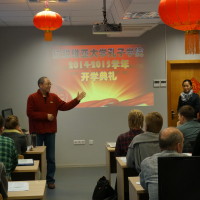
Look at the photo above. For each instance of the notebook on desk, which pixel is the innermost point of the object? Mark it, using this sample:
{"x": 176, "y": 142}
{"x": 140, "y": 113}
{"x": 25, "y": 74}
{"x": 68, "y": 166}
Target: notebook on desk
{"x": 25, "y": 162}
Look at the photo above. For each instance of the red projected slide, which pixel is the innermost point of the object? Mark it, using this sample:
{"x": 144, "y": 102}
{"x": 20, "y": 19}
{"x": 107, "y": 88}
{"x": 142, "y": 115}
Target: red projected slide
{"x": 111, "y": 75}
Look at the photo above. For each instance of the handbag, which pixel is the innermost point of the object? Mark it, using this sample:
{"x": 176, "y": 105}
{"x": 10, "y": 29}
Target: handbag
{"x": 103, "y": 190}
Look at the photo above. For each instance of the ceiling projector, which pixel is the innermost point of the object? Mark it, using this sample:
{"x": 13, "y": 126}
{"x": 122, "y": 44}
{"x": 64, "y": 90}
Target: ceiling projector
{"x": 106, "y": 28}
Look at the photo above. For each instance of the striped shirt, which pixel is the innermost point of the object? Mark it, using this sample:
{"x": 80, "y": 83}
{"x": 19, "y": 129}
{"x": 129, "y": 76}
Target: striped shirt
{"x": 8, "y": 154}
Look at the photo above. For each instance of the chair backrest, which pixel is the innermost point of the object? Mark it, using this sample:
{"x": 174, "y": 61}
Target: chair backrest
{"x": 196, "y": 146}
{"x": 178, "y": 178}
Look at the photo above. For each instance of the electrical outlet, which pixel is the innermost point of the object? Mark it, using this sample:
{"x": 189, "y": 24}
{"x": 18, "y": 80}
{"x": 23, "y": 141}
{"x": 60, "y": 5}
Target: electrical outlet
{"x": 91, "y": 142}
{"x": 82, "y": 141}
{"x": 163, "y": 83}
{"x": 78, "y": 142}
{"x": 75, "y": 141}
{"x": 156, "y": 83}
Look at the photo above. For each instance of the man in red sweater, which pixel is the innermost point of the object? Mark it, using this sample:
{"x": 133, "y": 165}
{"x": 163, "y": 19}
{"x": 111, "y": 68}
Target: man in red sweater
{"x": 42, "y": 109}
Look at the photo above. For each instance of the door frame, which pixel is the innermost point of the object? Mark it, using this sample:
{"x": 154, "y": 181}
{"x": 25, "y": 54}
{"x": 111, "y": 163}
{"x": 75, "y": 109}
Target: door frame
{"x": 169, "y": 68}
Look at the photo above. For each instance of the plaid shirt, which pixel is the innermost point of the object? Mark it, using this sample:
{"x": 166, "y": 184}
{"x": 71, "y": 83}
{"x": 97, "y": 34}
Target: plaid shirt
{"x": 8, "y": 154}
{"x": 124, "y": 140}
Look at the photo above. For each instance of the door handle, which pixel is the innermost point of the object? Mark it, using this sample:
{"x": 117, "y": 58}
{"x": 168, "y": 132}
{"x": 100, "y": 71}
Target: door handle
{"x": 173, "y": 114}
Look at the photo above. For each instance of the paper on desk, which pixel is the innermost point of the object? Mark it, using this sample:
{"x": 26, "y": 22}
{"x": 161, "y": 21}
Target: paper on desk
{"x": 18, "y": 186}
{"x": 123, "y": 159}
{"x": 111, "y": 144}
{"x": 188, "y": 154}
{"x": 29, "y": 148}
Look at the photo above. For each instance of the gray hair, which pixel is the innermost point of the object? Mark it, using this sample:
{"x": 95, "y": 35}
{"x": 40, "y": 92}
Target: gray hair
{"x": 41, "y": 80}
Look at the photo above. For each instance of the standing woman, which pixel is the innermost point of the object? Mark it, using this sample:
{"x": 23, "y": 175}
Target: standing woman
{"x": 188, "y": 97}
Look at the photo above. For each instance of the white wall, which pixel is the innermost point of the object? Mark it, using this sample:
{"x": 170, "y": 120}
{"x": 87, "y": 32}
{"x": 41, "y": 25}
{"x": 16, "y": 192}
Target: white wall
{"x": 25, "y": 57}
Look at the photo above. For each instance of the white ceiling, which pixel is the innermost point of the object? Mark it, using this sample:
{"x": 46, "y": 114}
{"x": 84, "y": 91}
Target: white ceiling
{"x": 83, "y": 12}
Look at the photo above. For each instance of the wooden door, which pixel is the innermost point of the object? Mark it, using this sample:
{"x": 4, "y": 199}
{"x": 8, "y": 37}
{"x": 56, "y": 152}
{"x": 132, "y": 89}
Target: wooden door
{"x": 177, "y": 71}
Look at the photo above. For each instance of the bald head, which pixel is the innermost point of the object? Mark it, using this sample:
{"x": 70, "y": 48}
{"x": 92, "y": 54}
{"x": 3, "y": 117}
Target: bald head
{"x": 171, "y": 139}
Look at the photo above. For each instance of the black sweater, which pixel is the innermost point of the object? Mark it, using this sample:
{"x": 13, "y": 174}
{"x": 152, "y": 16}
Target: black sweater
{"x": 193, "y": 101}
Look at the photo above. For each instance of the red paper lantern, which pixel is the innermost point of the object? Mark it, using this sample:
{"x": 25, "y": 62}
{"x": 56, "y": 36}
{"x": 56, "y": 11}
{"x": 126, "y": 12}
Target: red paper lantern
{"x": 183, "y": 15}
{"x": 47, "y": 21}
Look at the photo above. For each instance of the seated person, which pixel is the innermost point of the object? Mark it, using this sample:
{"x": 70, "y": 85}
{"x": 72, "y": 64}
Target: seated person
{"x": 171, "y": 144}
{"x": 188, "y": 126}
{"x": 13, "y": 131}
{"x": 135, "y": 122}
{"x": 3, "y": 181}
{"x": 8, "y": 152}
{"x": 145, "y": 144}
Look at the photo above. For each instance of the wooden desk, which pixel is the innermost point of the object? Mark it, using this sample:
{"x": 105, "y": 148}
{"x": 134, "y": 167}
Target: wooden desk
{"x": 39, "y": 153}
{"x": 36, "y": 191}
{"x": 136, "y": 191}
{"x": 111, "y": 165}
{"x": 123, "y": 172}
{"x": 23, "y": 173}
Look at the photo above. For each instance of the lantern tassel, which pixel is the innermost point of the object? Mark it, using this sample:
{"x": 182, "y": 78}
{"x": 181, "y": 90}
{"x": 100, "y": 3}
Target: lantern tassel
{"x": 48, "y": 35}
{"x": 192, "y": 44}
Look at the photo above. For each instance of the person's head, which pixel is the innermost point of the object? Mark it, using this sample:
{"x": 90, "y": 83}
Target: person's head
{"x": 187, "y": 85}
{"x": 135, "y": 119}
{"x": 153, "y": 122}
{"x": 44, "y": 84}
{"x": 11, "y": 122}
{"x": 186, "y": 113}
{"x": 171, "y": 139}
{"x": 1, "y": 124}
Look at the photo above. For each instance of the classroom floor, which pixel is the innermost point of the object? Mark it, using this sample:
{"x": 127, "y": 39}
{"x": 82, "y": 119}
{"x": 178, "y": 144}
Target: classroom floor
{"x": 75, "y": 183}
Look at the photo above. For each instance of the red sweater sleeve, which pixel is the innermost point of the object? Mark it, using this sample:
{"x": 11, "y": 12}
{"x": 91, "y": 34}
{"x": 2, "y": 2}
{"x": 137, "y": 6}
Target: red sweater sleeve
{"x": 31, "y": 113}
{"x": 62, "y": 105}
